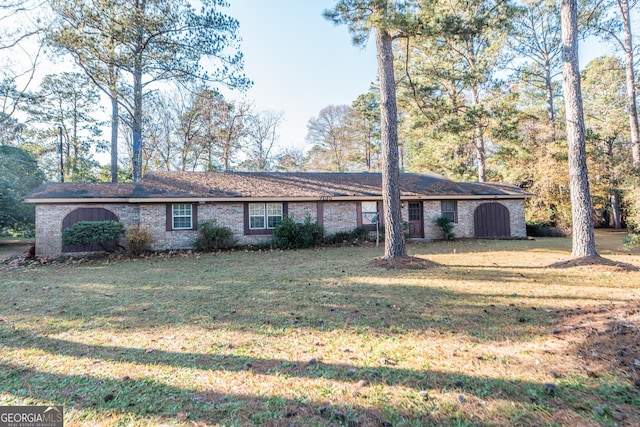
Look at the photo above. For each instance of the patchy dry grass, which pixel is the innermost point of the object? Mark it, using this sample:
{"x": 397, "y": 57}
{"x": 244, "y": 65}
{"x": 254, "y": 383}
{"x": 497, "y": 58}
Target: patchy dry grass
{"x": 488, "y": 336}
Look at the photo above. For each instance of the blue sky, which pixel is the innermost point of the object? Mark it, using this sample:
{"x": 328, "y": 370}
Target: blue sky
{"x": 299, "y": 62}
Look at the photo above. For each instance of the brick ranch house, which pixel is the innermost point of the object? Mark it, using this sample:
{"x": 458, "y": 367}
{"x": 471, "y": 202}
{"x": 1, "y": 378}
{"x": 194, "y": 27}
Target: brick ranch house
{"x": 170, "y": 204}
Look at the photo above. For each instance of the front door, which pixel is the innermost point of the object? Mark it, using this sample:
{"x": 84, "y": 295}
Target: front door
{"x": 416, "y": 224}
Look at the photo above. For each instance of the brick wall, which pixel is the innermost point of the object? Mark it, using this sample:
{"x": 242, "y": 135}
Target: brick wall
{"x": 299, "y": 211}
{"x": 466, "y": 208}
{"x": 338, "y": 216}
{"x": 49, "y": 223}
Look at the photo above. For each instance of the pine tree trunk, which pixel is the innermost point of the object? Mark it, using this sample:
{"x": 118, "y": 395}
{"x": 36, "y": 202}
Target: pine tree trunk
{"x": 631, "y": 80}
{"x": 137, "y": 102}
{"x": 583, "y": 237}
{"x": 394, "y": 245}
{"x": 478, "y": 140}
{"x": 114, "y": 137}
{"x": 551, "y": 114}
{"x": 115, "y": 107}
{"x": 480, "y": 154}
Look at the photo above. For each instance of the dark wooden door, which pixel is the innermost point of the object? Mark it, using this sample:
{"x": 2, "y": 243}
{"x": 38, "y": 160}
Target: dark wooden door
{"x": 86, "y": 214}
{"x": 416, "y": 223}
{"x": 491, "y": 220}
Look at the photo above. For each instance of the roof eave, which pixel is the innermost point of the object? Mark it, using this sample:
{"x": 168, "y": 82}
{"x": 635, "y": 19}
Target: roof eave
{"x": 195, "y": 199}
{"x": 72, "y": 200}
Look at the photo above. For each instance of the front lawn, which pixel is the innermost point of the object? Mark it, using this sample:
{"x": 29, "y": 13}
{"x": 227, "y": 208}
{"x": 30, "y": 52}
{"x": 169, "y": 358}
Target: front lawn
{"x": 490, "y": 336}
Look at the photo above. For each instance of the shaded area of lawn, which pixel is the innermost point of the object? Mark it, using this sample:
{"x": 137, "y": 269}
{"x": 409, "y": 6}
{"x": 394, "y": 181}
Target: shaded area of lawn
{"x": 315, "y": 338}
{"x": 143, "y": 397}
{"x": 254, "y": 301}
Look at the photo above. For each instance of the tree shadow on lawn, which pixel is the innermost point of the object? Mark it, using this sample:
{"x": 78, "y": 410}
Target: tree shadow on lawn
{"x": 322, "y": 306}
{"x": 377, "y": 302}
{"x": 570, "y": 399}
{"x": 147, "y": 397}
{"x": 340, "y": 302}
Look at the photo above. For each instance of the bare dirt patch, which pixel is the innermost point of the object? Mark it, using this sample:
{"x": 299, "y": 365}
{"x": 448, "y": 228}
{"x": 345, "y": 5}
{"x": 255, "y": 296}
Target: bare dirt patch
{"x": 607, "y": 337}
{"x": 402, "y": 263}
{"x": 595, "y": 263}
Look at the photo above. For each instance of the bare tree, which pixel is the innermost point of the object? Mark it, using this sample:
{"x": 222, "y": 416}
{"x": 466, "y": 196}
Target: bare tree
{"x": 290, "y": 160}
{"x": 331, "y": 135}
{"x": 21, "y": 28}
{"x": 261, "y": 138}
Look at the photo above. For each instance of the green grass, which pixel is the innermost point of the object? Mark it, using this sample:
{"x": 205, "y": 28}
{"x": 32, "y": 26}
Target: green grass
{"x": 314, "y": 338}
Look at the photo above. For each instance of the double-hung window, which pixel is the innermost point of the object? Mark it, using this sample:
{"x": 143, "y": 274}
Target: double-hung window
{"x": 265, "y": 216}
{"x": 369, "y": 212}
{"x": 450, "y": 210}
{"x": 182, "y": 216}
{"x": 368, "y": 215}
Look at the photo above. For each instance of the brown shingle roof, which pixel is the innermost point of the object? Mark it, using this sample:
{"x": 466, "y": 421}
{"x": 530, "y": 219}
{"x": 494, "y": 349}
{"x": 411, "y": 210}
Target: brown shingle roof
{"x": 81, "y": 190}
{"x": 305, "y": 185}
{"x": 268, "y": 185}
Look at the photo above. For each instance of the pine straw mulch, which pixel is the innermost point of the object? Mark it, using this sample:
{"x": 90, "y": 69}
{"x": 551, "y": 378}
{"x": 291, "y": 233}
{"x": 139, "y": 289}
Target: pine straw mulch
{"x": 595, "y": 263}
{"x": 607, "y": 338}
{"x": 402, "y": 263}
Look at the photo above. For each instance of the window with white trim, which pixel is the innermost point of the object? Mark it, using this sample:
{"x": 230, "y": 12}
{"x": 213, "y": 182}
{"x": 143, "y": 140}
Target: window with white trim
{"x": 450, "y": 210}
{"x": 265, "y": 215}
{"x": 182, "y": 216}
{"x": 369, "y": 211}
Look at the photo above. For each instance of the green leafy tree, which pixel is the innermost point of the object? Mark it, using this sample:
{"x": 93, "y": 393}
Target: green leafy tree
{"x": 605, "y": 102}
{"x": 449, "y": 79}
{"x": 67, "y": 103}
{"x": 537, "y": 161}
{"x": 612, "y": 20}
{"x": 535, "y": 42}
{"x": 366, "y": 130}
{"x": 19, "y": 174}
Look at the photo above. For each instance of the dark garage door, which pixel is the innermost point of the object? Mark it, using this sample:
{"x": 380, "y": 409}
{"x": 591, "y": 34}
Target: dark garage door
{"x": 86, "y": 214}
{"x": 491, "y": 220}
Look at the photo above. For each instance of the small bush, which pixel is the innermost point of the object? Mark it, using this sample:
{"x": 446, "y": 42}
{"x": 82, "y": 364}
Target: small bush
{"x": 139, "y": 239}
{"x": 447, "y": 226}
{"x": 355, "y": 236}
{"x": 212, "y": 237}
{"x": 103, "y": 233}
{"x": 631, "y": 241}
{"x": 294, "y": 235}
{"x": 544, "y": 229}
{"x": 405, "y": 231}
